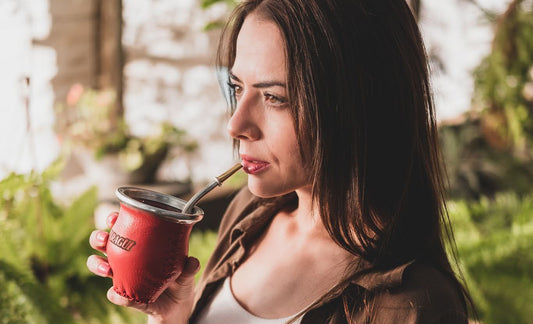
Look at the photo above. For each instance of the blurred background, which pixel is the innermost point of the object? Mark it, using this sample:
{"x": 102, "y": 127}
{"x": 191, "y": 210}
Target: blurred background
{"x": 102, "y": 93}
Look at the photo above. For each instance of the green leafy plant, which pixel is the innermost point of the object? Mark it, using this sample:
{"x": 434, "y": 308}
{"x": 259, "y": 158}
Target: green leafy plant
{"x": 494, "y": 239}
{"x": 43, "y": 250}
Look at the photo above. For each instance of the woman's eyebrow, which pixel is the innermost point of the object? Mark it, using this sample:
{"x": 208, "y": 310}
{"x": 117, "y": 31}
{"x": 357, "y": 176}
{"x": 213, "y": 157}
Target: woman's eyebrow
{"x": 264, "y": 84}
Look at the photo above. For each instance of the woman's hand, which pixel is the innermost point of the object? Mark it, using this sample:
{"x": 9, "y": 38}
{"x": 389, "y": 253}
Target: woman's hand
{"x": 175, "y": 303}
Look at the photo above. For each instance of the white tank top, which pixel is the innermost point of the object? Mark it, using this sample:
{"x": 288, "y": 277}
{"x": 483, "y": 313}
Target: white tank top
{"x": 224, "y": 308}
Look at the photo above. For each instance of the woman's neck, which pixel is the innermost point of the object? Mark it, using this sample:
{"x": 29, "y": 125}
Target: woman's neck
{"x": 306, "y": 214}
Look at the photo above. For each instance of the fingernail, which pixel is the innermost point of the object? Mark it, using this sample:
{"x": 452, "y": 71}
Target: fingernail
{"x": 111, "y": 217}
{"x": 103, "y": 268}
{"x": 101, "y": 236}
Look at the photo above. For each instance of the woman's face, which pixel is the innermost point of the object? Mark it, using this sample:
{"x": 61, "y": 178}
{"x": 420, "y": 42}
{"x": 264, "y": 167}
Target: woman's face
{"x": 262, "y": 121}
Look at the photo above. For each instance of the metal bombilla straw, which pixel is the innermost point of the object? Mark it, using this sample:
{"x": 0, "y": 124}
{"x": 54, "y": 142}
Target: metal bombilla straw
{"x": 217, "y": 182}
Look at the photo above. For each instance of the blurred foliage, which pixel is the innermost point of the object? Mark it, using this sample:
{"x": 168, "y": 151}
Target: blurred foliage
{"x": 89, "y": 119}
{"x": 237, "y": 181}
{"x": 504, "y": 82}
{"x": 208, "y": 3}
{"x": 475, "y": 168}
{"x": 490, "y": 150}
{"x": 494, "y": 239}
{"x": 201, "y": 245}
{"x": 216, "y": 24}
{"x": 490, "y": 169}
{"x": 43, "y": 251}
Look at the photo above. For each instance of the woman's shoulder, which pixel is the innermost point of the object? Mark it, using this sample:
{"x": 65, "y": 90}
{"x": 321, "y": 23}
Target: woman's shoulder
{"x": 423, "y": 294}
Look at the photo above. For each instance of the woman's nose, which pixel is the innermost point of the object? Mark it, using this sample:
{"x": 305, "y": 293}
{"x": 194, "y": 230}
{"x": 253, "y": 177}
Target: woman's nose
{"x": 243, "y": 124}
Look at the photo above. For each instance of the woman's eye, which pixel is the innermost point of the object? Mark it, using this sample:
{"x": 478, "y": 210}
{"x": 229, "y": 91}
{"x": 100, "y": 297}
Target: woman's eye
{"x": 235, "y": 89}
{"x": 274, "y": 100}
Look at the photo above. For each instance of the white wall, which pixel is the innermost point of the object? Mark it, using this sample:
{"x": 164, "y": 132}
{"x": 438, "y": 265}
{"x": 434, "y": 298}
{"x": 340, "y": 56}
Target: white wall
{"x": 20, "y": 150}
{"x": 170, "y": 75}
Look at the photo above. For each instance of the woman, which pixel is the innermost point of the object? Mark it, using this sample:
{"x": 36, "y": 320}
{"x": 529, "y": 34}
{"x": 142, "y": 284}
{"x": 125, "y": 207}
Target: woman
{"x": 343, "y": 216}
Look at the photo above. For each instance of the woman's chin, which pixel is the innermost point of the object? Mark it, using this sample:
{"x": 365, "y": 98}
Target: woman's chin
{"x": 260, "y": 192}
{"x": 263, "y": 190}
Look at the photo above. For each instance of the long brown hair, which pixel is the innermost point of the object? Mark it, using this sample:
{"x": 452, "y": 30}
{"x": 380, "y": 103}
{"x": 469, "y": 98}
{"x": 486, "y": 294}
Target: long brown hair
{"x": 360, "y": 96}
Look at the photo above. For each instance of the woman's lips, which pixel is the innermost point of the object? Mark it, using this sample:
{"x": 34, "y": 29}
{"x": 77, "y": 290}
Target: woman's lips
{"x": 251, "y": 165}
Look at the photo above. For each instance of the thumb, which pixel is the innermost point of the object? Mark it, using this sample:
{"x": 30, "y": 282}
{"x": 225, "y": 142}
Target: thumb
{"x": 191, "y": 267}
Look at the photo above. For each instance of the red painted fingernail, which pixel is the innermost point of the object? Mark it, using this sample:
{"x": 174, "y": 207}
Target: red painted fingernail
{"x": 111, "y": 218}
{"x": 101, "y": 236}
{"x": 103, "y": 268}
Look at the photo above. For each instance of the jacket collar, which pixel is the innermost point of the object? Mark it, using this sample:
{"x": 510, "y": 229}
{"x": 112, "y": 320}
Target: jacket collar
{"x": 262, "y": 213}
{"x": 382, "y": 279}
{"x": 251, "y": 226}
